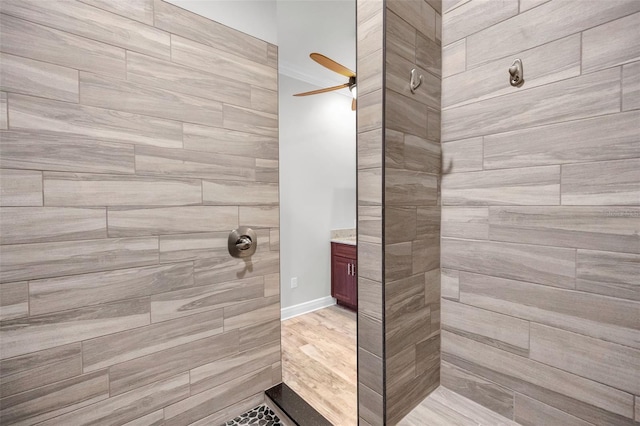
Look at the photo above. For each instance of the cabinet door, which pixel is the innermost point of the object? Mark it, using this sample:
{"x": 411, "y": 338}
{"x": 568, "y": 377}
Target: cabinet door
{"x": 341, "y": 279}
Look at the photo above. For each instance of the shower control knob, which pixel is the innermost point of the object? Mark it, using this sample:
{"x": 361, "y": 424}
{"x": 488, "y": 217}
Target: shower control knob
{"x": 242, "y": 242}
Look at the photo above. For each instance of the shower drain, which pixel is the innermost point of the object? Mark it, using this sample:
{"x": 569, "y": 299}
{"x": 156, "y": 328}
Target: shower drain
{"x": 259, "y": 416}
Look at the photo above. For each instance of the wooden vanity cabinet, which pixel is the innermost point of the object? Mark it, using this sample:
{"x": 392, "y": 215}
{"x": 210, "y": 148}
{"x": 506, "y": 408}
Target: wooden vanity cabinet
{"x": 344, "y": 278}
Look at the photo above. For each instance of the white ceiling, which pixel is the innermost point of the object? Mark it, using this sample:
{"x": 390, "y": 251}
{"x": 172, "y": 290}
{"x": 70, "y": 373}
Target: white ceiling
{"x": 298, "y": 27}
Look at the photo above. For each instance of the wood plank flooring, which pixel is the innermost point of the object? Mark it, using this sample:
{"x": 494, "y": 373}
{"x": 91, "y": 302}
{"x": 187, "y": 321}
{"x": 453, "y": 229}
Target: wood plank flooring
{"x": 319, "y": 362}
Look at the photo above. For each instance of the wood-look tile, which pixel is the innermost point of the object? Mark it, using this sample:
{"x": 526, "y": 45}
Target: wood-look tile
{"x": 548, "y": 63}
{"x": 63, "y": 152}
{"x": 450, "y": 284}
{"x": 396, "y": 71}
{"x": 252, "y": 121}
{"x": 267, "y": 170}
{"x": 530, "y": 412}
{"x": 370, "y": 406}
{"x": 125, "y": 222}
{"x": 189, "y": 301}
{"x": 486, "y": 393}
{"x": 370, "y": 186}
{"x": 55, "y": 399}
{"x": 454, "y": 57}
{"x": 631, "y": 86}
{"x": 88, "y": 190}
{"x": 439, "y": 27}
{"x": 59, "y": 294}
{"x": 271, "y": 285}
{"x": 465, "y": 222}
{"x": 177, "y": 20}
{"x": 193, "y": 164}
{"x": 405, "y": 114}
{"x": 609, "y": 273}
{"x": 30, "y": 113}
{"x": 22, "y": 225}
{"x": 400, "y": 224}
{"x": 140, "y": 10}
{"x": 159, "y": 73}
{"x": 587, "y": 357}
{"x": 462, "y": 156}
{"x": 474, "y": 16}
{"x": 434, "y": 124}
{"x": 223, "y": 141}
{"x": 399, "y": 404}
{"x": 152, "y": 419}
{"x": 46, "y": 260}
{"x": 596, "y": 228}
{"x": 14, "y": 301}
{"x": 254, "y": 193}
{"x": 502, "y": 331}
{"x": 611, "y": 44}
{"x": 105, "y": 92}
{"x": 274, "y": 239}
{"x": 637, "y": 408}
{"x": 610, "y": 137}
{"x": 23, "y": 75}
{"x": 264, "y": 100}
{"x": 37, "y": 369}
{"x": 366, "y": 9}
{"x": 124, "y": 346}
{"x": 131, "y": 405}
{"x": 370, "y": 334}
{"x": 420, "y": 15}
{"x": 425, "y": 254}
{"x": 370, "y": 149}
{"x": 603, "y": 183}
{"x": 232, "y": 411}
{"x": 429, "y": 54}
{"x": 254, "y": 336}
{"x": 469, "y": 408}
{"x": 370, "y": 73}
{"x": 580, "y": 97}
{"x": 609, "y": 319}
{"x": 22, "y": 336}
{"x": 370, "y": 298}
{"x": 369, "y": 369}
{"x": 260, "y": 217}
{"x": 272, "y": 55}
{"x": 225, "y": 268}
{"x": 528, "y": 186}
{"x": 207, "y": 58}
{"x": 428, "y": 222}
{"x": 370, "y": 224}
{"x": 400, "y": 369}
{"x": 184, "y": 247}
{"x": 428, "y": 355}
{"x": 29, "y": 40}
{"x": 406, "y": 321}
{"x": 167, "y": 363}
{"x": 406, "y": 187}
{"x": 535, "y": 379}
{"x": 20, "y": 188}
{"x": 93, "y": 23}
{"x": 4, "y": 114}
{"x": 200, "y": 405}
{"x": 397, "y": 261}
{"x": 251, "y": 312}
{"x": 369, "y": 111}
{"x": 223, "y": 370}
{"x": 530, "y": 4}
{"x": 550, "y": 21}
{"x": 369, "y": 261}
{"x": 400, "y": 38}
{"x": 421, "y": 155}
{"x": 369, "y": 34}
{"x": 551, "y": 266}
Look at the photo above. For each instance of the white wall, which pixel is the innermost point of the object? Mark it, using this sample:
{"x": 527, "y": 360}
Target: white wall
{"x": 317, "y": 185}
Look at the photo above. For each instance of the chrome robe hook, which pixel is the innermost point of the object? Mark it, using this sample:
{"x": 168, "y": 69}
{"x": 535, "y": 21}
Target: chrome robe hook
{"x": 413, "y": 85}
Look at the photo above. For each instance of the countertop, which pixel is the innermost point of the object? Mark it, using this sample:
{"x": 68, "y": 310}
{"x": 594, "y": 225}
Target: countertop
{"x": 351, "y": 241}
{"x": 344, "y": 236}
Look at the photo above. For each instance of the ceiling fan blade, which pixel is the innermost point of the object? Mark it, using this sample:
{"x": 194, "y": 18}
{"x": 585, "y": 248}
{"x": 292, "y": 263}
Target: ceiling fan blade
{"x": 327, "y": 89}
{"x": 353, "y": 105}
{"x": 332, "y": 65}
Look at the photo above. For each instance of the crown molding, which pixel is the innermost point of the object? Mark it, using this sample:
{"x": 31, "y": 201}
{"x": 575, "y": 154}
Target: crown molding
{"x": 290, "y": 70}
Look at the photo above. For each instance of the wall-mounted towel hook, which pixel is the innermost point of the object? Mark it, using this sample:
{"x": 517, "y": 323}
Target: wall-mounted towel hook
{"x": 412, "y": 83}
{"x": 516, "y": 73}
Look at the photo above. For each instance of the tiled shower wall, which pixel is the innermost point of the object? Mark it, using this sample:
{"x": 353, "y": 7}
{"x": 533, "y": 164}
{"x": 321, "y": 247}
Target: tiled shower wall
{"x": 398, "y": 170}
{"x": 540, "y": 219}
{"x": 411, "y": 205}
{"x": 136, "y": 136}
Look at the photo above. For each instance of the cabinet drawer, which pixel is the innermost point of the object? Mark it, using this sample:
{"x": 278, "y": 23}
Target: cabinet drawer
{"x": 344, "y": 250}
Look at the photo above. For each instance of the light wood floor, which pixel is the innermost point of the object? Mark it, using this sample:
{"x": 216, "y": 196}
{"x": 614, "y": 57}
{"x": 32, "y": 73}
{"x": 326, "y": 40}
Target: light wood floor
{"x": 319, "y": 362}
{"x": 447, "y": 408}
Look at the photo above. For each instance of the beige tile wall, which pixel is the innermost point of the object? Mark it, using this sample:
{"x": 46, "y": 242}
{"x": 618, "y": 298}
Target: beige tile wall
{"x": 135, "y": 136}
{"x": 541, "y": 209}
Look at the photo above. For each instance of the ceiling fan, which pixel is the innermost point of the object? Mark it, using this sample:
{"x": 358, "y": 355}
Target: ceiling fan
{"x": 340, "y": 69}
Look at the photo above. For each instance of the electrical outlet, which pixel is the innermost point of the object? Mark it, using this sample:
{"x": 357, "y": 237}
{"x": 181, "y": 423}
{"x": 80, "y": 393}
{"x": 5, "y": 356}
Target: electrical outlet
{"x": 294, "y": 282}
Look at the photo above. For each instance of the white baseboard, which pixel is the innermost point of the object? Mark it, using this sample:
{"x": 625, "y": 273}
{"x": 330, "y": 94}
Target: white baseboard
{"x": 306, "y": 307}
